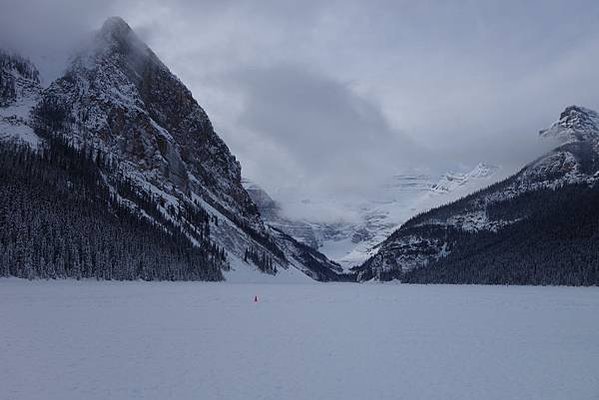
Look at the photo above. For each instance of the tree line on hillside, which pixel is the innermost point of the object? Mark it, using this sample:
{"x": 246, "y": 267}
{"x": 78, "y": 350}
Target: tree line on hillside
{"x": 260, "y": 260}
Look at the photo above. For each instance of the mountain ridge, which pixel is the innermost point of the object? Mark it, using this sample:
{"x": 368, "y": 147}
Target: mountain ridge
{"x": 434, "y": 246}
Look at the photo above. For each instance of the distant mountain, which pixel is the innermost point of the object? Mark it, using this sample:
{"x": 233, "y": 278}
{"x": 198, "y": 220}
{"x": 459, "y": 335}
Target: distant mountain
{"x": 404, "y": 195}
{"x": 539, "y": 226}
{"x": 154, "y": 157}
{"x": 272, "y": 214}
{"x": 450, "y": 182}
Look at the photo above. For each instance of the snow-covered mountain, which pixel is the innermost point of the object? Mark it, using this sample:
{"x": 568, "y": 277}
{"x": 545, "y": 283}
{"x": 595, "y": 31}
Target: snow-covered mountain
{"x": 533, "y": 227}
{"x": 451, "y": 182}
{"x": 402, "y": 196}
{"x": 117, "y": 100}
{"x": 575, "y": 124}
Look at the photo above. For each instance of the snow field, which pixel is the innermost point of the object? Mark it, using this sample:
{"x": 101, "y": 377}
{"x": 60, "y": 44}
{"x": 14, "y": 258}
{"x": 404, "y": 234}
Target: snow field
{"x": 134, "y": 340}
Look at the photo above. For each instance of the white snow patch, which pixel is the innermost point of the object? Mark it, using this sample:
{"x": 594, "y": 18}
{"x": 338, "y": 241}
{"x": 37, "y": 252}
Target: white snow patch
{"x": 15, "y": 125}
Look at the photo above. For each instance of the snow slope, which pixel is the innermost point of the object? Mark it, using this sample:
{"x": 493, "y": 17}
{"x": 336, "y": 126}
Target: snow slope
{"x": 132, "y": 340}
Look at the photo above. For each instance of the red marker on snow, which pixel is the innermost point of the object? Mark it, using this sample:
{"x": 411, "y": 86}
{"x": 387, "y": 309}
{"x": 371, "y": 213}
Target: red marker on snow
{"x": 255, "y": 299}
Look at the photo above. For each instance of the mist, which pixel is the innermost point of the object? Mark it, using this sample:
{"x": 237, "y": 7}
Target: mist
{"x": 328, "y": 99}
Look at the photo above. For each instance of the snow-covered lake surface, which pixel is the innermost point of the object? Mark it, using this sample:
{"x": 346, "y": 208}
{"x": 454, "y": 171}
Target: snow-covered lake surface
{"x": 109, "y": 340}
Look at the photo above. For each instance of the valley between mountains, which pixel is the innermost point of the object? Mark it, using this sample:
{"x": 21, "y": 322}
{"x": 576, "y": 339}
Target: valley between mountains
{"x": 114, "y": 171}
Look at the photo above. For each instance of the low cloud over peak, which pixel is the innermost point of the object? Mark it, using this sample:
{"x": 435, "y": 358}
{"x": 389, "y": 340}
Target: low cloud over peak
{"x": 330, "y": 97}
{"x": 334, "y": 138}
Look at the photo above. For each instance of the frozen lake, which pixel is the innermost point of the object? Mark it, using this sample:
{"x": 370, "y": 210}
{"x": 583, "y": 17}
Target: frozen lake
{"x": 109, "y": 340}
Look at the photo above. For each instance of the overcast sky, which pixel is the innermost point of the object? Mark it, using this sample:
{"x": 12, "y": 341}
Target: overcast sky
{"x": 330, "y": 97}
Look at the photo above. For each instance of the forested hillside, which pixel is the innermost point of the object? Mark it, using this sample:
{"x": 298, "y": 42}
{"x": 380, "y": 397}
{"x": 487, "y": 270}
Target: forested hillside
{"x": 558, "y": 244}
{"x": 60, "y": 218}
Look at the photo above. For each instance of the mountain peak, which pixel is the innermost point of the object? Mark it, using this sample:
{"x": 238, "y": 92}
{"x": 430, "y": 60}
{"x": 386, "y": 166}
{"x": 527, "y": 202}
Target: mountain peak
{"x": 115, "y": 27}
{"x": 575, "y": 124}
{"x": 117, "y": 35}
{"x": 117, "y": 45}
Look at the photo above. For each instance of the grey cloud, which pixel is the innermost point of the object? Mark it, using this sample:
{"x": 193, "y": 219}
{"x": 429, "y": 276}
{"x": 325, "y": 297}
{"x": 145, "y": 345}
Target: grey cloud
{"x": 339, "y": 140}
{"x": 329, "y": 96}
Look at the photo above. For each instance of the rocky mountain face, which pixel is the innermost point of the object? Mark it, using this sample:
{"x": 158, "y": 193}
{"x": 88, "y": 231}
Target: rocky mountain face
{"x": 19, "y": 91}
{"x": 350, "y": 243}
{"x": 539, "y": 226}
{"x": 118, "y": 102}
{"x": 119, "y": 97}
